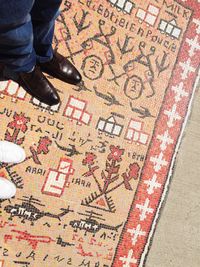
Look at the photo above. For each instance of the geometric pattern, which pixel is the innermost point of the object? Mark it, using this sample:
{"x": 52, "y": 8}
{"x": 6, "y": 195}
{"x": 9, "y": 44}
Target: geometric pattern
{"x": 99, "y": 164}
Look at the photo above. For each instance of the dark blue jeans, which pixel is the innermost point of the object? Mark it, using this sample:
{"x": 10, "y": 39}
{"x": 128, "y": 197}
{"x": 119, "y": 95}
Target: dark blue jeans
{"x": 26, "y": 32}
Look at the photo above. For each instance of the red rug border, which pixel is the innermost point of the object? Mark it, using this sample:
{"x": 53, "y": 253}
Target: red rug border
{"x": 139, "y": 251}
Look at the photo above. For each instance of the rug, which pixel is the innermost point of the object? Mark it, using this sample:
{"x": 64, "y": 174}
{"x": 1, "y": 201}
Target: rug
{"x": 99, "y": 164}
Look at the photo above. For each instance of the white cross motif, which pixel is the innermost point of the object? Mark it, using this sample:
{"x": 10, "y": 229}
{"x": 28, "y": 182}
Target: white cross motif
{"x": 128, "y": 260}
{"x": 197, "y": 22}
{"x": 135, "y": 233}
{"x": 145, "y": 209}
{"x": 158, "y": 162}
{"x": 153, "y": 184}
{"x": 179, "y": 91}
{"x": 165, "y": 140}
{"x": 172, "y": 115}
{"x": 187, "y": 68}
{"x": 194, "y": 45}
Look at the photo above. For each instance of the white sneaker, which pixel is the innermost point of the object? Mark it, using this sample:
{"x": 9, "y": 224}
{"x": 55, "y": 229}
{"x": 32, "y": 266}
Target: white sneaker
{"x": 11, "y": 153}
{"x": 7, "y": 189}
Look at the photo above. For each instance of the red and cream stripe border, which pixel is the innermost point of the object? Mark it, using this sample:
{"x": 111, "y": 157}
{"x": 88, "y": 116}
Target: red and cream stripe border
{"x": 157, "y": 172}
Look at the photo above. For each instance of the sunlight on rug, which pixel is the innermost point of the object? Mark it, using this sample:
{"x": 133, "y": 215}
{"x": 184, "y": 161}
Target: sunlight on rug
{"x": 98, "y": 165}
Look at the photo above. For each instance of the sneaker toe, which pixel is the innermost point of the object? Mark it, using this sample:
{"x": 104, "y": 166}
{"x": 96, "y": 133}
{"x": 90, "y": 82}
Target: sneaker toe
{"x": 7, "y": 189}
{"x": 77, "y": 77}
{"x": 11, "y": 153}
{"x": 53, "y": 98}
{"x": 19, "y": 155}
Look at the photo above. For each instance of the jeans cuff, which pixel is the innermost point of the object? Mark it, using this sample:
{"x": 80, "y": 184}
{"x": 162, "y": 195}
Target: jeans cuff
{"x": 40, "y": 59}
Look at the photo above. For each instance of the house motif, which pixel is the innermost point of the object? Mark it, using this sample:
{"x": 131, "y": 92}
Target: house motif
{"x": 149, "y": 16}
{"x": 124, "y": 5}
{"x": 12, "y": 89}
{"x": 57, "y": 179}
{"x": 76, "y": 110}
{"x": 109, "y": 126}
{"x": 170, "y": 28}
{"x": 135, "y": 133}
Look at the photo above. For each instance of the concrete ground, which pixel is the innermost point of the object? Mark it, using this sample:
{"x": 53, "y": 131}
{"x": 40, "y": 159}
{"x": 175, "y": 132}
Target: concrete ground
{"x": 177, "y": 238}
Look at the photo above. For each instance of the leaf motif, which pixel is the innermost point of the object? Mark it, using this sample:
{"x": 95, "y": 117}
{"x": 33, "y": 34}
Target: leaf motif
{"x": 20, "y": 141}
{"x": 103, "y": 176}
{"x": 8, "y": 137}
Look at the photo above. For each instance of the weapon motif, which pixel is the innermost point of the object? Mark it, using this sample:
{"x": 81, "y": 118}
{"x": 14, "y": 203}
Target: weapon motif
{"x": 91, "y": 225}
{"x": 27, "y": 211}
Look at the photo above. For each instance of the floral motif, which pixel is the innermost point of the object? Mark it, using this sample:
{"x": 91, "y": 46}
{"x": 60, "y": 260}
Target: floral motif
{"x": 42, "y": 148}
{"x": 44, "y": 142}
{"x": 116, "y": 153}
{"x": 19, "y": 122}
{"x": 134, "y": 171}
{"x": 110, "y": 176}
{"x": 89, "y": 158}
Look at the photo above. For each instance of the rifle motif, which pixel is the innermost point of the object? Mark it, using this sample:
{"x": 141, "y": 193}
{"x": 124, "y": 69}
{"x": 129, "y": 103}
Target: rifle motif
{"x": 63, "y": 243}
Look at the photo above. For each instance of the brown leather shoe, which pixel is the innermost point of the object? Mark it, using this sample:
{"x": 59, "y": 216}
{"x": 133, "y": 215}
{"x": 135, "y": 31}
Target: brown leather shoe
{"x": 62, "y": 69}
{"x": 37, "y": 85}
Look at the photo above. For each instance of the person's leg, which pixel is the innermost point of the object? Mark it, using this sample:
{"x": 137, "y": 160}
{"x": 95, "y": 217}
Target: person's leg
{"x": 44, "y": 14}
{"x": 9, "y": 153}
{"x": 16, "y": 35}
{"x": 17, "y": 51}
{"x": 19, "y": 42}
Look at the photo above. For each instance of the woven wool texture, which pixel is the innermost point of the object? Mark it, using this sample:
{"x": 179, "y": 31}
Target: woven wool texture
{"x": 99, "y": 164}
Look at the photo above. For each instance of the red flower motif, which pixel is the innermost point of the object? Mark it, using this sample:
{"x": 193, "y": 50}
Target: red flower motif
{"x": 19, "y": 122}
{"x": 134, "y": 169}
{"x": 89, "y": 158}
{"x": 44, "y": 142}
{"x": 116, "y": 153}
